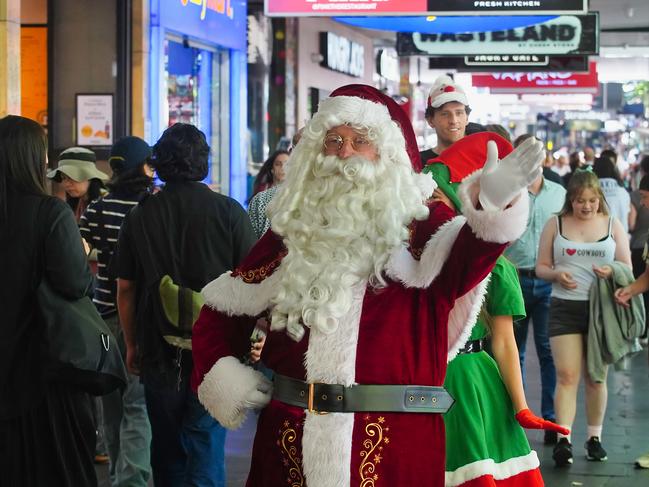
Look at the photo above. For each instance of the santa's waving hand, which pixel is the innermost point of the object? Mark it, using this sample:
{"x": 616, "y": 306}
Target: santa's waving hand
{"x": 502, "y": 180}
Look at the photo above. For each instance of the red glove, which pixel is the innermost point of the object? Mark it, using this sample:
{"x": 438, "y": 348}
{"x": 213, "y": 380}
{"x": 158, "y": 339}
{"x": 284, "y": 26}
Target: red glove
{"x": 527, "y": 419}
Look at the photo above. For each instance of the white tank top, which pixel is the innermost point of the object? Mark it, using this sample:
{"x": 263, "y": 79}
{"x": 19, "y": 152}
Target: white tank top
{"x": 578, "y": 259}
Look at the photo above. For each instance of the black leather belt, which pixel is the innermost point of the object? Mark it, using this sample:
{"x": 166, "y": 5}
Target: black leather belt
{"x": 335, "y": 398}
{"x": 531, "y": 273}
{"x": 473, "y": 346}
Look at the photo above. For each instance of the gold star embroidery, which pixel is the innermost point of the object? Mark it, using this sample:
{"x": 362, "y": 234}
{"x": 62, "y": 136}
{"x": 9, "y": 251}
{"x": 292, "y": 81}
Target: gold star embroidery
{"x": 367, "y": 417}
{"x": 387, "y": 440}
{"x": 381, "y": 419}
{"x": 377, "y": 458}
{"x": 376, "y": 477}
{"x": 286, "y": 424}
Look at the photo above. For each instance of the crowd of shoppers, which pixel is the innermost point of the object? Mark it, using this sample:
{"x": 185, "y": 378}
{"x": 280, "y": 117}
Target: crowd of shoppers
{"x": 187, "y": 236}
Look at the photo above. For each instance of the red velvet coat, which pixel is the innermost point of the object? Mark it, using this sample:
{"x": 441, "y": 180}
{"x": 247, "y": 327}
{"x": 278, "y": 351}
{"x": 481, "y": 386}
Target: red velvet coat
{"x": 400, "y": 334}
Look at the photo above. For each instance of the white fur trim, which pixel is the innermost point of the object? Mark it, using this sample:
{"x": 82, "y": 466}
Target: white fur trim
{"x": 327, "y": 439}
{"x": 233, "y": 296}
{"x": 499, "y": 226}
{"x": 355, "y": 111}
{"x": 420, "y": 274}
{"x": 499, "y": 471}
{"x": 226, "y": 387}
{"x": 426, "y": 185}
{"x": 463, "y": 316}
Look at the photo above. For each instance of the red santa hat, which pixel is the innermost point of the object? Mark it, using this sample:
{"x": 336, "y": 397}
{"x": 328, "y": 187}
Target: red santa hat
{"x": 445, "y": 90}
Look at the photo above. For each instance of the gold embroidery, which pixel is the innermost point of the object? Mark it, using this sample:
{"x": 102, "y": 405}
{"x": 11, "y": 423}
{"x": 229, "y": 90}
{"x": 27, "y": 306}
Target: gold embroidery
{"x": 253, "y": 276}
{"x": 291, "y": 460}
{"x": 372, "y": 450}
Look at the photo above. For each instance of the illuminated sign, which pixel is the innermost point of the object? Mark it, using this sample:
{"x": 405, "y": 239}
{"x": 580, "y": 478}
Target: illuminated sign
{"x": 387, "y": 64}
{"x": 539, "y": 82}
{"x": 292, "y": 8}
{"x": 566, "y": 34}
{"x": 218, "y": 6}
{"x": 342, "y": 55}
{"x": 509, "y": 62}
{"x": 217, "y": 22}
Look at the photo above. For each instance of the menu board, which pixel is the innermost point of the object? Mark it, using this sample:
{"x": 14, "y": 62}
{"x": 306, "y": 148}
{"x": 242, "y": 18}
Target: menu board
{"x": 33, "y": 73}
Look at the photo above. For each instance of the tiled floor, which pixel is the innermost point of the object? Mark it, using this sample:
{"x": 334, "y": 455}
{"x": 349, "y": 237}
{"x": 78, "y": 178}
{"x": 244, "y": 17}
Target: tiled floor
{"x": 625, "y": 436}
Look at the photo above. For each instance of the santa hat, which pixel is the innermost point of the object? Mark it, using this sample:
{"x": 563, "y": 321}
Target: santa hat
{"x": 462, "y": 159}
{"x": 445, "y": 90}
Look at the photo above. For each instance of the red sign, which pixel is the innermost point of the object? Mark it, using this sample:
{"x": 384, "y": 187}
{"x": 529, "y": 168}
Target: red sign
{"x": 558, "y": 82}
{"x": 344, "y": 7}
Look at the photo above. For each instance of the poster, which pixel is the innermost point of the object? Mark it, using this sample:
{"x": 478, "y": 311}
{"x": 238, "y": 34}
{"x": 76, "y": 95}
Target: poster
{"x": 94, "y": 120}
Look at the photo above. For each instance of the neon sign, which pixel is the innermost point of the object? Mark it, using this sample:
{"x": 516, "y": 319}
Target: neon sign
{"x": 223, "y": 7}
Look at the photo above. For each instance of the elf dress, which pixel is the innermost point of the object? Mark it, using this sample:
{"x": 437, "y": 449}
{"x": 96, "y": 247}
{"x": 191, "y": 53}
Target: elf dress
{"x": 485, "y": 445}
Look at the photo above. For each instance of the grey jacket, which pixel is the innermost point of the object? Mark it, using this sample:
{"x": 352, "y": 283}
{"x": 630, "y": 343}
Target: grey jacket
{"x": 613, "y": 330}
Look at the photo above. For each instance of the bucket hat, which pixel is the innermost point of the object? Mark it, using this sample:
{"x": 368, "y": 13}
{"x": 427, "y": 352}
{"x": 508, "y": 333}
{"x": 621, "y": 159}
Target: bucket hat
{"x": 79, "y": 164}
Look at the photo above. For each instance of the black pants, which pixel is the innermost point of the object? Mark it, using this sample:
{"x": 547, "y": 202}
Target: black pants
{"x": 638, "y": 268}
{"x": 52, "y": 444}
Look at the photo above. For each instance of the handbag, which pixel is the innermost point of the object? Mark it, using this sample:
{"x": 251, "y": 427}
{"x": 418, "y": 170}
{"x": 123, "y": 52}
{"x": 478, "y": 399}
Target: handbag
{"x": 79, "y": 342}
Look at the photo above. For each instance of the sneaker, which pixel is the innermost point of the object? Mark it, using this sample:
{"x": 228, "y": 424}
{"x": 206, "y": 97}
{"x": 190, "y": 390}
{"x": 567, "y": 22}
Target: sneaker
{"x": 562, "y": 453}
{"x": 594, "y": 450}
{"x": 643, "y": 461}
{"x": 550, "y": 437}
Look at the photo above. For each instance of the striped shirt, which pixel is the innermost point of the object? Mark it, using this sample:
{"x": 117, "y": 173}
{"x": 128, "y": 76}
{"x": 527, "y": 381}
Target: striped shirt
{"x": 100, "y": 226}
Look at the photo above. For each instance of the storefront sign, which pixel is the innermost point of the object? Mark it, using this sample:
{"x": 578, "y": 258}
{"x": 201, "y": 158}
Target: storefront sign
{"x": 566, "y": 34}
{"x": 387, "y": 64}
{"x": 509, "y": 62}
{"x": 539, "y": 82}
{"x": 291, "y": 8}
{"x": 342, "y": 55}
{"x": 221, "y": 22}
{"x": 219, "y": 6}
{"x": 94, "y": 119}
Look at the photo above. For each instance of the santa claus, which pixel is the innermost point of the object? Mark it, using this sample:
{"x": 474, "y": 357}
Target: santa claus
{"x": 368, "y": 287}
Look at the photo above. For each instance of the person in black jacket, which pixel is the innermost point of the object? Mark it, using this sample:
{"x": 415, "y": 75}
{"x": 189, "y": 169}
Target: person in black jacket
{"x": 47, "y": 434}
{"x": 192, "y": 235}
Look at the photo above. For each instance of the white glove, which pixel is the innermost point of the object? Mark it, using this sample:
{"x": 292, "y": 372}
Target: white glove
{"x": 500, "y": 182}
{"x": 258, "y": 398}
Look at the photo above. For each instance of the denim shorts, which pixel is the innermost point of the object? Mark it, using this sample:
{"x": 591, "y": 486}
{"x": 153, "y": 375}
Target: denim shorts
{"x": 568, "y": 317}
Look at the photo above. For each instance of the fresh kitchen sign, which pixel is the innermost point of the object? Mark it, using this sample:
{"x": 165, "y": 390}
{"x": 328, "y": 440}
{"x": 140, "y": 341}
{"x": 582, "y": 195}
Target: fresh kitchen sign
{"x": 565, "y": 34}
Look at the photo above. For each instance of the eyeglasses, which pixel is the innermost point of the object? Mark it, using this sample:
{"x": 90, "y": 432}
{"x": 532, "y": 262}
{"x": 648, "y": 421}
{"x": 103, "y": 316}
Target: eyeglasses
{"x": 334, "y": 142}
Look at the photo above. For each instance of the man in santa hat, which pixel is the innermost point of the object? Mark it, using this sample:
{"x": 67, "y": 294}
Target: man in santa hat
{"x": 368, "y": 287}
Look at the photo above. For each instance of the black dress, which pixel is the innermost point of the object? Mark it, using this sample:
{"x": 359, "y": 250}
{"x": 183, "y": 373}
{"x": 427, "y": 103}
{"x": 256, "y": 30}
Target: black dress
{"x": 47, "y": 435}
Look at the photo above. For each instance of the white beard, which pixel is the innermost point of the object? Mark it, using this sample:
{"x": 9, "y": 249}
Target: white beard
{"x": 339, "y": 224}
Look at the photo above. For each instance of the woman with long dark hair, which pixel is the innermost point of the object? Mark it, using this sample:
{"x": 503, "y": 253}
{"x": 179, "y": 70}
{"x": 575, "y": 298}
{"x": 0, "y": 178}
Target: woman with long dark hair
{"x": 271, "y": 172}
{"x": 127, "y": 432}
{"x": 46, "y": 425}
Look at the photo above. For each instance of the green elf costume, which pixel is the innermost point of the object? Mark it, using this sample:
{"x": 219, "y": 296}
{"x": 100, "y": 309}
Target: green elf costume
{"x": 485, "y": 441}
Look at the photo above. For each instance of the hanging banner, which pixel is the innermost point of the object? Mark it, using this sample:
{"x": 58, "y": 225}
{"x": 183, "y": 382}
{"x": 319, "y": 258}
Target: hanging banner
{"x": 565, "y": 34}
{"x": 557, "y": 82}
{"x": 510, "y": 62}
{"x": 311, "y": 8}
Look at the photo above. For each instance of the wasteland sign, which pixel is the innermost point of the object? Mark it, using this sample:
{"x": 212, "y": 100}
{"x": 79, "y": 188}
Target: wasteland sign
{"x": 565, "y": 34}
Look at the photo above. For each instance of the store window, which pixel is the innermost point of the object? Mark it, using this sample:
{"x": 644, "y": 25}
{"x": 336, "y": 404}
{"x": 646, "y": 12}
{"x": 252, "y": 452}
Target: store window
{"x": 196, "y": 93}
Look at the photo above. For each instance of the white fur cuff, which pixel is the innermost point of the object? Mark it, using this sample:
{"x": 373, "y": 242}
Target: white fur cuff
{"x": 226, "y": 387}
{"x": 500, "y": 226}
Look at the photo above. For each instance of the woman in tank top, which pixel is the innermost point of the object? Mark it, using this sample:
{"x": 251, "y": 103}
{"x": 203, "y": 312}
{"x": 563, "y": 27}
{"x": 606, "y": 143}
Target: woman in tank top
{"x": 575, "y": 250}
